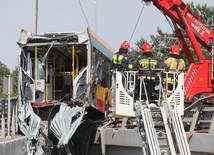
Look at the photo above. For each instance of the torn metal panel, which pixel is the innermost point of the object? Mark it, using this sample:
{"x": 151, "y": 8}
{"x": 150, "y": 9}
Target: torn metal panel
{"x": 66, "y": 121}
{"x": 30, "y": 127}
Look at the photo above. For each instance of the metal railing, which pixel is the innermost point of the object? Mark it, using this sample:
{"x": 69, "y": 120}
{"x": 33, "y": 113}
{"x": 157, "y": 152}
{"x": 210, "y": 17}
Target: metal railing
{"x": 8, "y": 117}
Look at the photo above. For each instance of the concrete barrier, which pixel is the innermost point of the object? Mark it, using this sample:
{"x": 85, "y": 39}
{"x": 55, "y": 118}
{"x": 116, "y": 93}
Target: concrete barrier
{"x": 16, "y": 145}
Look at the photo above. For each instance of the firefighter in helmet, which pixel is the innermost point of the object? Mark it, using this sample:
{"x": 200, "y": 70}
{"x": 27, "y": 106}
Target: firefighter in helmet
{"x": 174, "y": 64}
{"x": 146, "y": 65}
{"x": 120, "y": 59}
{"x": 174, "y": 61}
{"x": 146, "y": 61}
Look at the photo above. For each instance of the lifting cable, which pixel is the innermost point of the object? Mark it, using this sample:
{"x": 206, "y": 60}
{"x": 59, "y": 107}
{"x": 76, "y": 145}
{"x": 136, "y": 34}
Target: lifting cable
{"x": 83, "y": 13}
{"x": 137, "y": 22}
{"x": 170, "y": 23}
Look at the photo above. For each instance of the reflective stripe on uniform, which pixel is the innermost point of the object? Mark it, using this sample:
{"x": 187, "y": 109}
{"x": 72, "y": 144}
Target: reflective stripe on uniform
{"x": 117, "y": 59}
{"x": 174, "y": 65}
{"x": 147, "y": 77}
{"x": 145, "y": 63}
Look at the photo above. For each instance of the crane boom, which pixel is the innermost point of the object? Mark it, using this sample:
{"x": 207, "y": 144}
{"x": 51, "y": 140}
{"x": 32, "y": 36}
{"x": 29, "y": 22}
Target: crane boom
{"x": 199, "y": 77}
{"x": 181, "y": 14}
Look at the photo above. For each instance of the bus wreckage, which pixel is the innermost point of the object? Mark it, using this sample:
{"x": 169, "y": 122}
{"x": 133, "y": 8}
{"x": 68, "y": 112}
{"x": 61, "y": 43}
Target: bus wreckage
{"x": 72, "y": 102}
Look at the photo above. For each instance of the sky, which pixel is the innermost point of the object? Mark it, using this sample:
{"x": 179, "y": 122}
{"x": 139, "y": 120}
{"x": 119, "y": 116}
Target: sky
{"x": 113, "y": 20}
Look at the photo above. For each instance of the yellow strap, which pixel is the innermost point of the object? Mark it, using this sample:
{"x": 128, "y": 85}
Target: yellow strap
{"x": 148, "y": 77}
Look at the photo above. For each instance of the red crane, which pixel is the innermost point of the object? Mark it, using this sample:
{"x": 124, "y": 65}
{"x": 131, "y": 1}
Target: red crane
{"x": 199, "y": 79}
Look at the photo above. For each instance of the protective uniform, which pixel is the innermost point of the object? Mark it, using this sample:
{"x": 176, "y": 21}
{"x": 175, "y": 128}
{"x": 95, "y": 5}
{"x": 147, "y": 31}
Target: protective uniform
{"x": 147, "y": 61}
{"x": 120, "y": 59}
{"x": 175, "y": 62}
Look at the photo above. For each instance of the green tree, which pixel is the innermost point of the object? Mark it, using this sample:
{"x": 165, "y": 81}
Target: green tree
{"x": 15, "y": 82}
{"x": 205, "y": 13}
{"x": 161, "y": 43}
{"x": 4, "y": 71}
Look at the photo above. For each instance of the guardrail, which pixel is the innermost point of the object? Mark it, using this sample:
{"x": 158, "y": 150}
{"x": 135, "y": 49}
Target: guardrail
{"x": 8, "y": 117}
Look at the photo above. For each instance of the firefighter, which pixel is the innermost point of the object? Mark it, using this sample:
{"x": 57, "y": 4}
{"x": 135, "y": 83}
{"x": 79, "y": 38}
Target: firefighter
{"x": 174, "y": 61}
{"x": 120, "y": 59}
{"x": 175, "y": 64}
{"x": 146, "y": 63}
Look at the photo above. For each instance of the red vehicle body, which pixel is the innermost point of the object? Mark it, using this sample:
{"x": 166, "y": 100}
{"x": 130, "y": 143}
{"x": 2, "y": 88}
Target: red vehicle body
{"x": 199, "y": 78}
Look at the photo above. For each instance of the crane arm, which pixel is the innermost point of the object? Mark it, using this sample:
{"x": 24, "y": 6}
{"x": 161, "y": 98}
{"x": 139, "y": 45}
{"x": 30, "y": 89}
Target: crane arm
{"x": 182, "y": 15}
